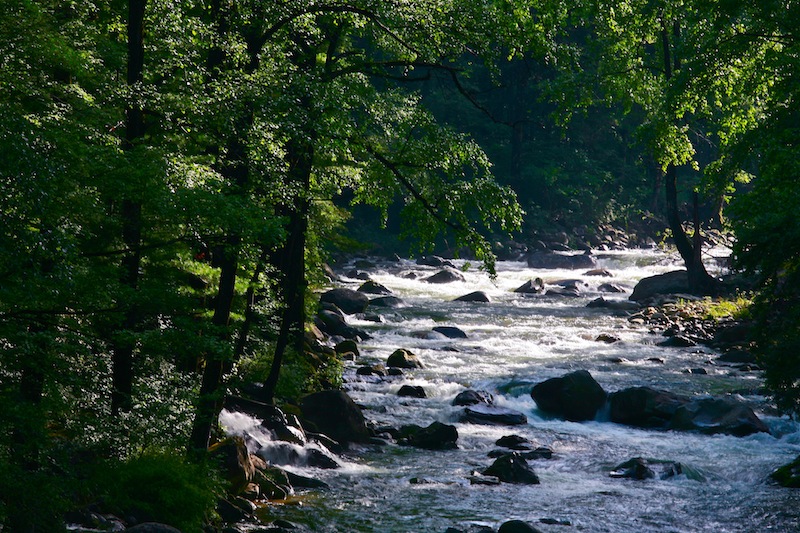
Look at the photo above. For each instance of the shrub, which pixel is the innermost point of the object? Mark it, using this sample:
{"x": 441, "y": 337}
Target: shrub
{"x": 162, "y": 487}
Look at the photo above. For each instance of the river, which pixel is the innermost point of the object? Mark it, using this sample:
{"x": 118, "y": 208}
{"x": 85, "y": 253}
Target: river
{"x": 512, "y": 343}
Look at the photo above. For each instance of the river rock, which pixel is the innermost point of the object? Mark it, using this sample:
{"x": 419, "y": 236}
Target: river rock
{"x": 512, "y": 468}
{"x": 336, "y": 415}
{"x": 636, "y": 468}
{"x": 675, "y": 282}
{"x": 412, "y": 391}
{"x": 477, "y": 296}
{"x": 451, "y": 332}
{"x": 403, "y": 359}
{"x": 532, "y": 286}
{"x": 644, "y": 407}
{"x": 737, "y": 356}
{"x": 514, "y": 442}
{"x": 575, "y": 396}
{"x": 437, "y": 436}
{"x": 472, "y": 397}
{"x": 348, "y": 300}
{"x": 611, "y": 287}
{"x": 517, "y": 526}
{"x": 373, "y": 287}
{"x": 447, "y": 275}
{"x": 491, "y": 414}
{"x": 599, "y": 272}
{"x": 677, "y": 341}
{"x": 390, "y": 302}
{"x": 346, "y": 347}
{"x": 550, "y": 260}
{"x": 334, "y": 323}
{"x": 615, "y": 305}
{"x": 434, "y": 261}
{"x": 640, "y": 468}
{"x": 650, "y": 408}
{"x": 717, "y": 415}
{"x": 788, "y": 475}
{"x": 236, "y": 465}
{"x": 571, "y": 292}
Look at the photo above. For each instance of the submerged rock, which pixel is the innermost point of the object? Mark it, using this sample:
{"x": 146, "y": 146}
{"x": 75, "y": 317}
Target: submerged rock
{"x": 575, "y": 396}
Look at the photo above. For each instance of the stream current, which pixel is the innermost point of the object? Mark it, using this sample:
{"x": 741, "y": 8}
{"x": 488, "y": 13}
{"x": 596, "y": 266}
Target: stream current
{"x": 513, "y": 343}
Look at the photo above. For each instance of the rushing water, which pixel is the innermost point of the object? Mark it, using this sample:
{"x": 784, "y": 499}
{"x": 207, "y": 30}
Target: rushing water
{"x": 514, "y": 342}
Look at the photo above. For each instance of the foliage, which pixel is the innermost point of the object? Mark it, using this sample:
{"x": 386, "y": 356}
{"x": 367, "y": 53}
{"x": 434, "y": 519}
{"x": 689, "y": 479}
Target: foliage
{"x": 718, "y": 309}
{"x": 163, "y": 487}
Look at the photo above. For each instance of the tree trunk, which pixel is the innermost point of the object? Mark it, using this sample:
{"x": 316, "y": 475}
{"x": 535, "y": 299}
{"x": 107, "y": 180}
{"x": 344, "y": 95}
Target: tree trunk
{"x": 123, "y": 348}
{"x": 289, "y": 260}
{"x": 699, "y": 280}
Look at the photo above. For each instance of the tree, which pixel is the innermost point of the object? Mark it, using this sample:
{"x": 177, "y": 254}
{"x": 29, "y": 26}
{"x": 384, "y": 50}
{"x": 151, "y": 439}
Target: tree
{"x": 635, "y": 53}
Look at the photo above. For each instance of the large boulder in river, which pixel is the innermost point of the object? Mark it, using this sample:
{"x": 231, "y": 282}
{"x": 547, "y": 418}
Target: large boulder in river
{"x": 717, "y": 415}
{"x": 556, "y": 260}
{"x": 675, "y": 282}
{"x": 477, "y": 296}
{"x": 656, "y": 409}
{"x": 532, "y": 286}
{"x": 644, "y": 407}
{"x": 437, "y": 436}
{"x": 451, "y": 332}
{"x": 348, "y": 300}
{"x": 401, "y": 358}
{"x": 447, "y": 275}
{"x": 491, "y": 414}
{"x": 472, "y": 397}
{"x": 334, "y": 323}
{"x": 373, "y": 287}
{"x": 512, "y": 468}
{"x": 575, "y": 396}
{"x": 336, "y": 415}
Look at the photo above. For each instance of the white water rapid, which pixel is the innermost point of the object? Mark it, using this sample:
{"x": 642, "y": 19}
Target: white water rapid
{"x": 512, "y": 343}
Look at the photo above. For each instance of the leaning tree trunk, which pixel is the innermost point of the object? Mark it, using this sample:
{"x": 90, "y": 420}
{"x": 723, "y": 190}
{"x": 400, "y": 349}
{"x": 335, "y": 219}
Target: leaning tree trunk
{"x": 699, "y": 280}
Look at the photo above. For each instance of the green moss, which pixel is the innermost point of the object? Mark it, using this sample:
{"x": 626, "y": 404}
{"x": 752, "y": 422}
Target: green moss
{"x": 788, "y": 475}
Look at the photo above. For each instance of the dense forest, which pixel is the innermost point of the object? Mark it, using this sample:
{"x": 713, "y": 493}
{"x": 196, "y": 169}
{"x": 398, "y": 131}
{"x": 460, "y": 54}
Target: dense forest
{"x": 175, "y": 173}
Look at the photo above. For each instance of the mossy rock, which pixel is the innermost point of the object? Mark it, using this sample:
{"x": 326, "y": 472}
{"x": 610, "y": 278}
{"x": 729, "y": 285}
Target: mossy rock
{"x": 788, "y": 475}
